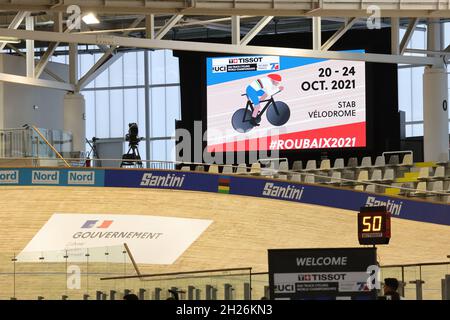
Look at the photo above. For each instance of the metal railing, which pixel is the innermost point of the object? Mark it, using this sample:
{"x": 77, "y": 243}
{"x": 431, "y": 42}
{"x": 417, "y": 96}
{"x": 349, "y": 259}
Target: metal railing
{"x": 31, "y": 142}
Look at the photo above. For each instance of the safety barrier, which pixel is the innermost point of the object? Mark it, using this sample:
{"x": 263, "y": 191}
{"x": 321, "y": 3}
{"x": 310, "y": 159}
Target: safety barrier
{"x": 348, "y": 199}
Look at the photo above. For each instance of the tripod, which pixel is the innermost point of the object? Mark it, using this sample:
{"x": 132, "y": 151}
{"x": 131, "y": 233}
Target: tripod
{"x": 93, "y": 151}
{"x": 129, "y": 159}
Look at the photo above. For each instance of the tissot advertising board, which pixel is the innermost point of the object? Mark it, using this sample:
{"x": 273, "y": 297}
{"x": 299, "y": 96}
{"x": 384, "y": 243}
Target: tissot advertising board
{"x": 322, "y": 274}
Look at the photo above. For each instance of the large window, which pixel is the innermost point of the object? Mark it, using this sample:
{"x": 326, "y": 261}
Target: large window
{"x": 117, "y": 97}
{"x": 410, "y": 83}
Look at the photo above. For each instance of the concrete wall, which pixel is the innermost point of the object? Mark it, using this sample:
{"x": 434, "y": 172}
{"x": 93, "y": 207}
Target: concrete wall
{"x": 17, "y": 100}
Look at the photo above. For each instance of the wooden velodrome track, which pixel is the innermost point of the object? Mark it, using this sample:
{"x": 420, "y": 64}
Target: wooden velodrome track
{"x": 243, "y": 228}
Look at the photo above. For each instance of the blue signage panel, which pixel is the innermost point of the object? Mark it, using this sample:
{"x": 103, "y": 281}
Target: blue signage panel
{"x": 162, "y": 180}
{"x": 256, "y": 187}
{"x": 52, "y": 177}
{"x": 340, "y": 198}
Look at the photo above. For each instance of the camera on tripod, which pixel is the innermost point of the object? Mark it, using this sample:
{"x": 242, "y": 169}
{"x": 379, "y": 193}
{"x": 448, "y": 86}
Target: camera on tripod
{"x": 132, "y": 157}
{"x": 132, "y": 135}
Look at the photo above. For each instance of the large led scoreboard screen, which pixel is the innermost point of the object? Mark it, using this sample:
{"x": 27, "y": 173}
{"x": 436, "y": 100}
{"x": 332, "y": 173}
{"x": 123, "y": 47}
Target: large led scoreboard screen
{"x": 285, "y": 103}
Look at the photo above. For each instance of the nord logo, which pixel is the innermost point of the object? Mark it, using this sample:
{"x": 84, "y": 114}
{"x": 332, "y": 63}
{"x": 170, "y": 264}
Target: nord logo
{"x": 45, "y": 177}
{"x": 81, "y": 177}
{"x": 97, "y": 224}
{"x": 9, "y": 177}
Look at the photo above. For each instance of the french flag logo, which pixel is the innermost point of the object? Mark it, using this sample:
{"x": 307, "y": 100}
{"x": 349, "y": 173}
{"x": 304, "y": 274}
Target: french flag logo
{"x": 100, "y": 224}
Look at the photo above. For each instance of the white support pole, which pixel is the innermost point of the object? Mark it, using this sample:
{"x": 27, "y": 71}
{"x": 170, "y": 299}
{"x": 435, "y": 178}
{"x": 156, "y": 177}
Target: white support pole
{"x": 74, "y": 119}
{"x": 73, "y": 63}
{"x": 150, "y": 26}
{"x": 395, "y": 35}
{"x": 317, "y": 33}
{"x": 235, "y": 30}
{"x": 29, "y": 25}
{"x": 435, "y": 102}
{"x": 147, "y": 106}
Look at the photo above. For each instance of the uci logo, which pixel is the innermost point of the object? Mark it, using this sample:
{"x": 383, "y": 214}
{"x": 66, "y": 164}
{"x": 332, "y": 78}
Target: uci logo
{"x": 219, "y": 69}
{"x": 284, "y": 288}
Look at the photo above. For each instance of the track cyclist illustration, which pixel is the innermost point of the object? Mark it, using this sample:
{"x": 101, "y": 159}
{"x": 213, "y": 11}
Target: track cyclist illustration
{"x": 278, "y": 112}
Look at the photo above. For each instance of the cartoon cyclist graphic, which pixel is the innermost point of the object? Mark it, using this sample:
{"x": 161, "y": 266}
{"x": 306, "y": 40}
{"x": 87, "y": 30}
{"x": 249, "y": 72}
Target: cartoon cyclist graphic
{"x": 260, "y": 89}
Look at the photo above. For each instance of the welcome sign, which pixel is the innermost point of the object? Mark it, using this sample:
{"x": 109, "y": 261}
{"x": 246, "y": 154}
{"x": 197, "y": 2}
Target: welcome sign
{"x": 151, "y": 239}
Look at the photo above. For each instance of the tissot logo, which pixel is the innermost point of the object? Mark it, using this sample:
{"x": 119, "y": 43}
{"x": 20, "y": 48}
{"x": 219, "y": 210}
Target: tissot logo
{"x": 44, "y": 177}
{"x": 322, "y": 277}
{"x": 101, "y": 224}
{"x": 391, "y": 206}
{"x": 9, "y": 177}
{"x": 245, "y": 60}
{"x": 304, "y": 277}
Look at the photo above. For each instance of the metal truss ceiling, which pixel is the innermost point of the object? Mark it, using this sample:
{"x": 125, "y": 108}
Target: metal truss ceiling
{"x": 322, "y": 8}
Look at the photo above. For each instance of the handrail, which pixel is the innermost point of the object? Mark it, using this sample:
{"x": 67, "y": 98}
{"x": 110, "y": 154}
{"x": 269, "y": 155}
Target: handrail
{"x": 267, "y": 172}
{"x": 176, "y": 273}
{"x": 396, "y": 152}
{"x": 416, "y": 264}
{"x": 49, "y": 144}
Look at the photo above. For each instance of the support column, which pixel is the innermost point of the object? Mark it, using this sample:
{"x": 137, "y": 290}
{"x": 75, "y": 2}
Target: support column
{"x": 435, "y": 102}
{"x": 395, "y": 35}
{"x": 235, "y": 30}
{"x": 29, "y": 25}
{"x": 74, "y": 119}
{"x": 73, "y": 63}
{"x": 317, "y": 33}
{"x": 148, "y": 113}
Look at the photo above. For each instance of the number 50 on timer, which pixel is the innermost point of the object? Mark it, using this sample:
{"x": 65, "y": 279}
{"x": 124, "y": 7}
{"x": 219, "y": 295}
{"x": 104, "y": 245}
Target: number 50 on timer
{"x": 374, "y": 225}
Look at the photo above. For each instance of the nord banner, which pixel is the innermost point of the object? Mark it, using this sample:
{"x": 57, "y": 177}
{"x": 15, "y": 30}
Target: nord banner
{"x": 53, "y": 176}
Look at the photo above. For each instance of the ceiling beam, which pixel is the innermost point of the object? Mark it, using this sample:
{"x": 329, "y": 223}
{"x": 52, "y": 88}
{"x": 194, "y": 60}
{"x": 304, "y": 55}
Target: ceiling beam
{"x": 36, "y": 82}
{"x": 46, "y": 70}
{"x": 164, "y": 30}
{"x": 322, "y": 8}
{"x": 338, "y": 34}
{"x": 256, "y": 29}
{"x": 15, "y": 23}
{"x": 408, "y": 34}
{"x": 108, "y": 58}
{"x": 214, "y": 47}
{"x": 99, "y": 67}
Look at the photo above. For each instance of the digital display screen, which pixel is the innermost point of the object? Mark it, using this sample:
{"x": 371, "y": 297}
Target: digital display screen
{"x": 284, "y": 103}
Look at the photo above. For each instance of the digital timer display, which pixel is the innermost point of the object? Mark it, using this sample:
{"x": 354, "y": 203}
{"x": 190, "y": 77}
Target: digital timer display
{"x": 374, "y": 225}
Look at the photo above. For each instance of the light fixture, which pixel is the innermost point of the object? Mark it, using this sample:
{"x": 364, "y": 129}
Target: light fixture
{"x": 90, "y": 18}
{"x": 9, "y": 39}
